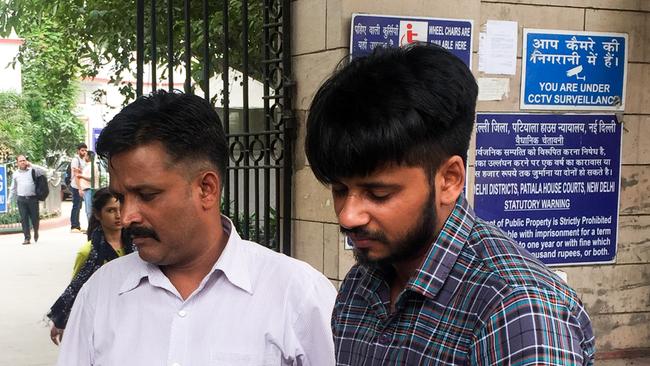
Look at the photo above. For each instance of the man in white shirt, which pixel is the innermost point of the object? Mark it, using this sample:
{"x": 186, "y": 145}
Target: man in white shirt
{"x": 195, "y": 293}
{"x": 23, "y": 192}
{"x": 76, "y": 167}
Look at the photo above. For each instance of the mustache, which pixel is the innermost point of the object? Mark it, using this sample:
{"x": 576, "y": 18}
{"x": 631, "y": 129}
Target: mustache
{"x": 141, "y": 232}
{"x": 363, "y": 232}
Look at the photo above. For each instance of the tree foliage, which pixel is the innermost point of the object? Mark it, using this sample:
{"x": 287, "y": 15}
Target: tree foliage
{"x": 50, "y": 76}
{"x": 103, "y": 32}
{"x": 15, "y": 127}
{"x": 72, "y": 39}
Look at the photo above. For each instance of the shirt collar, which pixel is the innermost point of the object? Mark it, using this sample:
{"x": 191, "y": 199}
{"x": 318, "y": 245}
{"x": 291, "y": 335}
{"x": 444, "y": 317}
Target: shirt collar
{"x": 442, "y": 255}
{"x": 232, "y": 263}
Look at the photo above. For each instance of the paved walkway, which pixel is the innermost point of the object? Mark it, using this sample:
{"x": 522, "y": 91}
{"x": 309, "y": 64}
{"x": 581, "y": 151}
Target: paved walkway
{"x": 31, "y": 279}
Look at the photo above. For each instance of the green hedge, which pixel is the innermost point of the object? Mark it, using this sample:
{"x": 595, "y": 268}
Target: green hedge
{"x": 10, "y": 217}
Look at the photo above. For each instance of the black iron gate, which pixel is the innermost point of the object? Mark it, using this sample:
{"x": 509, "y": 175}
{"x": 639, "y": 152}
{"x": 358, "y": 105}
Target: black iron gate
{"x": 242, "y": 43}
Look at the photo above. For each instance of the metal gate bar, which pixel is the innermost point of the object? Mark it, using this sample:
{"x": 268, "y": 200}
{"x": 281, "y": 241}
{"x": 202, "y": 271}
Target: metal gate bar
{"x": 188, "y": 47}
{"x": 289, "y": 122}
{"x": 206, "y": 50}
{"x": 225, "y": 75}
{"x": 154, "y": 43}
{"x": 170, "y": 44}
{"x": 139, "y": 53}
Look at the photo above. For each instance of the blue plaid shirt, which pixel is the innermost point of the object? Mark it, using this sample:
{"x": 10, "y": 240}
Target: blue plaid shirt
{"x": 477, "y": 299}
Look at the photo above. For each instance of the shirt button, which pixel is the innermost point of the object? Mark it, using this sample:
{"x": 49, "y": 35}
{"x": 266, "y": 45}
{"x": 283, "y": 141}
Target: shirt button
{"x": 182, "y": 314}
{"x": 384, "y": 339}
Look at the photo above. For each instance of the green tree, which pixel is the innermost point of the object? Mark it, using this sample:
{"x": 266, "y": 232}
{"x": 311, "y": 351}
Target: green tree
{"x": 102, "y": 31}
{"x": 16, "y": 132}
{"x": 50, "y": 72}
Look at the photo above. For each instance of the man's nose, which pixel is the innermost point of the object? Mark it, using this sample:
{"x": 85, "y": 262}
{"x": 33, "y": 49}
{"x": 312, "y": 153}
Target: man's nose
{"x": 353, "y": 212}
{"x": 129, "y": 213}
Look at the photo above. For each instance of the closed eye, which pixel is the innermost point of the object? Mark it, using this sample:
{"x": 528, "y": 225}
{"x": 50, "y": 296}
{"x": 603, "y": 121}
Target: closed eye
{"x": 146, "y": 197}
{"x": 379, "y": 196}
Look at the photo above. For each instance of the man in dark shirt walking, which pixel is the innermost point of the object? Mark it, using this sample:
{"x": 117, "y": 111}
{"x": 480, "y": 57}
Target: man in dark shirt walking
{"x": 433, "y": 283}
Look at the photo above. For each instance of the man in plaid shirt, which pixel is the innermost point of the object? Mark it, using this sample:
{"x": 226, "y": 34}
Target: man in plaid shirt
{"x": 433, "y": 283}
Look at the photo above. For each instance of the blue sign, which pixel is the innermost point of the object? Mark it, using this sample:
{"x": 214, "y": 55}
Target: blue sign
{"x": 96, "y": 133}
{"x": 3, "y": 188}
{"x": 571, "y": 70}
{"x": 372, "y": 31}
{"x": 551, "y": 182}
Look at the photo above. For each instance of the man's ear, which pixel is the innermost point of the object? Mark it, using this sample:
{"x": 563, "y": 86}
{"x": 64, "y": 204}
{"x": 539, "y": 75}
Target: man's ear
{"x": 450, "y": 180}
{"x": 209, "y": 189}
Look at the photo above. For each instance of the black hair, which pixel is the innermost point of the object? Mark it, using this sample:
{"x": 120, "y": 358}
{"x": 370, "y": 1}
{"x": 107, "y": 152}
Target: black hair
{"x": 101, "y": 198}
{"x": 81, "y": 146}
{"x": 188, "y": 127}
{"x": 410, "y": 106}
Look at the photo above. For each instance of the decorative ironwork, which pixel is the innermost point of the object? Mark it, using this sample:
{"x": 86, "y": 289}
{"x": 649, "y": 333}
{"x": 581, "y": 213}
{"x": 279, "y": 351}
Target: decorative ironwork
{"x": 257, "y": 191}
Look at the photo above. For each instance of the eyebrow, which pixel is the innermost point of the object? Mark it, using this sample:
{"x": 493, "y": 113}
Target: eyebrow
{"x": 137, "y": 188}
{"x": 375, "y": 185}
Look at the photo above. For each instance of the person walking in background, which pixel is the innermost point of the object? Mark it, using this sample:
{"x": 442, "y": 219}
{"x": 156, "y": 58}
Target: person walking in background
{"x": 106, "y": 241}
{"x": 76, "y": 168}
{"x": 433, "y": 283}
{"x": 86, "y": 183}
{"x": 23, "y": 192}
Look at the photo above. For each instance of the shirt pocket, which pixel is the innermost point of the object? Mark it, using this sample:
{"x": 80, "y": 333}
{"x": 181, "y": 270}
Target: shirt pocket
{"x": 245, "y": 359}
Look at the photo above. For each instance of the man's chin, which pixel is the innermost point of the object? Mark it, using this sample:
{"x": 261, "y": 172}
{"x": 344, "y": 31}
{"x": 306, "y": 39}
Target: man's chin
{"x": 150, "y": 257}
{"x": 367, "y": 258}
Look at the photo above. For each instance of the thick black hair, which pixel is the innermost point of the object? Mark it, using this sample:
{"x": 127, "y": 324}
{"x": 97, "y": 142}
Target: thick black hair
{"x": 81, "y": 146}
{"x": 410, "y": 106}
{"x": 187, "y": 126}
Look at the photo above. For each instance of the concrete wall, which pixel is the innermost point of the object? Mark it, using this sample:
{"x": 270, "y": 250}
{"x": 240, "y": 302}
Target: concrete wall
{"x": 617, "y": 296}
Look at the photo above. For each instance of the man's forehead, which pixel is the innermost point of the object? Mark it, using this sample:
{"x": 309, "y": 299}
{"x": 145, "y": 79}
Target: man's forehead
{"x": 388, "y": 174}
{"x": 120, "y": 184}
{"x": 142, "y": 165}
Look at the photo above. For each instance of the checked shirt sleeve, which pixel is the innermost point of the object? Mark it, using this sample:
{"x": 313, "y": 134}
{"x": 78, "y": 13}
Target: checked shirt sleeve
{"x": 534, "y": 327}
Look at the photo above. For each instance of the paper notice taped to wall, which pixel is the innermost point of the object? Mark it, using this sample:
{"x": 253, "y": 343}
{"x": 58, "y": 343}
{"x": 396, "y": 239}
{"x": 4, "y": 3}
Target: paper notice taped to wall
{"x": 493, "y": 88}
{"x": 498, "y": 48}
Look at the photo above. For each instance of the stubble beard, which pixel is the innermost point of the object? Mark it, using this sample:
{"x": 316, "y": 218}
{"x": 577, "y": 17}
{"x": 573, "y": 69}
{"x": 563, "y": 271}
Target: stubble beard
{"x": 407, "y": 247}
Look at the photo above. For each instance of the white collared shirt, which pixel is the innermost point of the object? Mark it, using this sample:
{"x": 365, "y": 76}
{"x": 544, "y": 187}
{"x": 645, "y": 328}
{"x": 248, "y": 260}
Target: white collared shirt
{"x": 23, "y": 183}
{"x": 255, "y": 307}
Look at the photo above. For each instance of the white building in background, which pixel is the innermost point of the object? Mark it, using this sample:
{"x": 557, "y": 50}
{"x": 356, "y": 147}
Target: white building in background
{"x": 10, "y": 76}
{"x": 96, "y": 112}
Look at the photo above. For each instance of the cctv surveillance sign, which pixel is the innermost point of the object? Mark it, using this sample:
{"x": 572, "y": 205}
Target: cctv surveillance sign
{"x": 571, "y": 70}
{"x": 371, "y": 31}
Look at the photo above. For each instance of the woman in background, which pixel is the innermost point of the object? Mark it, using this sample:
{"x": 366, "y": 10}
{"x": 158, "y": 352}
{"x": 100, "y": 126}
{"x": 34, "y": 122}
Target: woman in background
{"x": 106, "y": 242}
